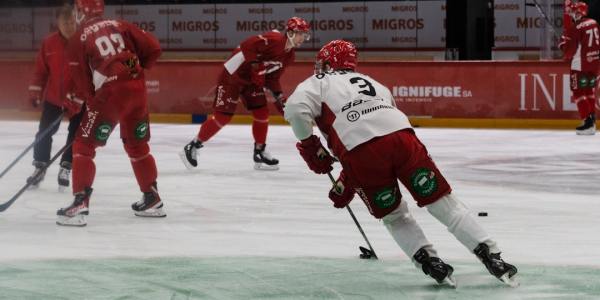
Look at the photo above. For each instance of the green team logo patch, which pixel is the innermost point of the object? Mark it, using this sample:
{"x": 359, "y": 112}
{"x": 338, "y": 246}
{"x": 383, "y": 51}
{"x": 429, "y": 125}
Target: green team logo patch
{"x": 423, "y": 182}
{"x": 141, "y": 130}
{"x": 103, "y": 132}
{"x": 587, "y": 82}
{"x": 385, "y": 198}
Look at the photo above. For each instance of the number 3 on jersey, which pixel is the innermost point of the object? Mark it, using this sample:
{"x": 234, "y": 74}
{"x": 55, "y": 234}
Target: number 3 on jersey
{"x": 106, "y": 46}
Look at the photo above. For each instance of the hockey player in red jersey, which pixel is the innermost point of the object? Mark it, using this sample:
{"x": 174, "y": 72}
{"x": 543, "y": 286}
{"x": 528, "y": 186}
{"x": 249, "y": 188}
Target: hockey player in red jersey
{"x": 254, "y": 67}
{"x": 107, "y": 59}
{"x": 580, "y": 44}
{"x": 376, "y": 147}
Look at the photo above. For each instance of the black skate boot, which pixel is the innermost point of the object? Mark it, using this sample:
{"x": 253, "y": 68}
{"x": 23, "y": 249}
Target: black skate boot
{"x": 150, "y": 205}
{"x": 189, "y": 154}
{"x": 75, "y": 214}
{"x": 38, "y": 174}
{"x": 588, "y": 127}
{"x": 435, "y": 267}
{"x": 263, "y": 159}
{"x": 64, "y": 176}
{"x": 495, "y": 265}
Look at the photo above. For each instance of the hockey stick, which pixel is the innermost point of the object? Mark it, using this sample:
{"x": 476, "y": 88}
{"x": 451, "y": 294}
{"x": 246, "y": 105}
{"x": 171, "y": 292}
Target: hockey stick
{"x": 37, "y": 140}
{"x": 543, "y": 13}
{"x": 365, "y": 253}
{"x": 7, "y": 204}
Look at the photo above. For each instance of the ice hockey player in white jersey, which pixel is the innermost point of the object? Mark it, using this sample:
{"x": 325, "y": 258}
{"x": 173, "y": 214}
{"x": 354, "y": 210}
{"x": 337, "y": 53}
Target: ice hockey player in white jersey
{"x": 376, "y": 147}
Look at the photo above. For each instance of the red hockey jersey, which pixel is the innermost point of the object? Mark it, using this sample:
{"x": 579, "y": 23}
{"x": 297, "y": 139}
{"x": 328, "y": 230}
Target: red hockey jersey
{"x": 268, "y": 49}
{"x": 100, "y": 51}
{"x": 51, "y": 69}
{"x": 581, "y": 45}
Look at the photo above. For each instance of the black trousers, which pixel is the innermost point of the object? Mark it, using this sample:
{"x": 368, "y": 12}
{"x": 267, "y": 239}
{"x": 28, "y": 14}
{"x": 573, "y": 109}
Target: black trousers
{"x": 50, "y": 113}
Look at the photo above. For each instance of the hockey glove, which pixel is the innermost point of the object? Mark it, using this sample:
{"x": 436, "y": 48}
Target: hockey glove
{"x": 315, "y": 155}
{"x": 35, "y": 96}
{"x": 342, "y": 191}
{"x": 72, "y": 105}
{"x": 257, "y": 74}
{"x": 280, "y": 100}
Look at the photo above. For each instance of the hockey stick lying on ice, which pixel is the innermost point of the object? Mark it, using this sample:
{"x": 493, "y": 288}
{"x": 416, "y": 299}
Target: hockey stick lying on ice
{"x": 37, "y": 140}
{"x": 7, "y": 204}
{"x": 365, "y": 253}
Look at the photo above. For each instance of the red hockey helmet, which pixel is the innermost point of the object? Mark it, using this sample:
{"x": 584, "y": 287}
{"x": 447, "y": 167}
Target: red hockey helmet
{"x": 297, "y": 24}
{"x": 336, "y": 55}
{"x": 87, "y": 9}
{"x": 578, "y": 8}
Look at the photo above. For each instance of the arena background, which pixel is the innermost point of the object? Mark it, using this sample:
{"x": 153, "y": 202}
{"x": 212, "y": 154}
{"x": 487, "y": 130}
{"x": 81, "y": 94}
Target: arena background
{"x": 401, "y": 43}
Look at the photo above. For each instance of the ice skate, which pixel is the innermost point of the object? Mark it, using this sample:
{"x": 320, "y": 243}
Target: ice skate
{"x": 263, "y": 159}
{"x": 496, "y": 266}
{"x": 435, "y": 268}
{"x": 64, "y": 176}
{"x": 189, "y": 154}
{"x": 588, "y": 126}
{"x": 150, "y": 205}
{"x": 38, "y": 174}
{"x": 76, "y": 213}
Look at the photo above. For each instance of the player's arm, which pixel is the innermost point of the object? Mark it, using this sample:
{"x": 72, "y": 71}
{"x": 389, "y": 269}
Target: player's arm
{"x": 147, "y": 46}
{"x": 569, "y": 42}
{"x": 81, "y": 75}
{"x": 303, "y": 107}
{"x": 40, "y": 77}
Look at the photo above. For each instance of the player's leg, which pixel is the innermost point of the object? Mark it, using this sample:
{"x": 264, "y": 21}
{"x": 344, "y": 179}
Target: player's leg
{"x": 410, "y": 237}
{"x": 225, "y": 104}
{"x": 256, "y": 102}
{"x": 66, "y": 161}
{"x": 135, "y": 133}
{"x": 41, "y": 150}
{"x": 370, "y": 170}
{"x": 96, "y": 126}
{"x": 429, "y": 188}
{"x": 582, "y": 93}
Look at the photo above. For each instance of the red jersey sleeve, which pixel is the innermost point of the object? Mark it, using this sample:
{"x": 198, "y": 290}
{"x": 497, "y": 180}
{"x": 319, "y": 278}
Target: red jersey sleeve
{"x": 146, "y": 45}
{"x": 253, "y": 46}
{"x": 272, "y": 79}
{"x": 570, "y": 42}
{"x": 40, "y": 74}
{"x": 81, "y": 74}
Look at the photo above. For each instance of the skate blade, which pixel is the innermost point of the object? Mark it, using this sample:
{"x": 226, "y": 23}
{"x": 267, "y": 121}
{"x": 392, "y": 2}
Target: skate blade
{"x": 184, "y": 160}
{"x": 151, "y": 213}
{"x": 76, "y": 221}
{"x": 586, "y": 132}
{"x": 509, "y": 281}
{"x": 449, "y": 281}
{"x": 265, "y": 167}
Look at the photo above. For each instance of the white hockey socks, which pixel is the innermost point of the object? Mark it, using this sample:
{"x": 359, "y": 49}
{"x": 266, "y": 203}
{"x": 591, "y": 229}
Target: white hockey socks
{"x": 407, "y": 233}
{"x": 455, "y": 215}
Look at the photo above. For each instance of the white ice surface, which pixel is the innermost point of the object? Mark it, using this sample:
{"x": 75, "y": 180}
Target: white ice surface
{"x": 540, "y": 189}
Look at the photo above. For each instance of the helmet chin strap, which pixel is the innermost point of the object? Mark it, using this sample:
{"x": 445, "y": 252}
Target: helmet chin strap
{"x": 291, "y": 38}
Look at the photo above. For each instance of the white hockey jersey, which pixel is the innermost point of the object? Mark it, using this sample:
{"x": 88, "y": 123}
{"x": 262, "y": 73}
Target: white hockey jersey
{"x": 349, "y": 108}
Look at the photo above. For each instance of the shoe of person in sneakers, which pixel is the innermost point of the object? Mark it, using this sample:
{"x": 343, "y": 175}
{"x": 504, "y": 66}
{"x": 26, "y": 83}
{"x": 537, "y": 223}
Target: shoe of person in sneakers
{"x": 64, "y": 176}
{"x": 38, "y": 174}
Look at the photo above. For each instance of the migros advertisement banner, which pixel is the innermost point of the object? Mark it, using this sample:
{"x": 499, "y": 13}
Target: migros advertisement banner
{"x": 369, "y": 24}
{"x": 514, "y": 90}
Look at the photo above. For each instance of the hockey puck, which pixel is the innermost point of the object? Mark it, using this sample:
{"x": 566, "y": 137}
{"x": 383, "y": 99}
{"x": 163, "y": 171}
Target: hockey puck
{"x": 482, "y": 214}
